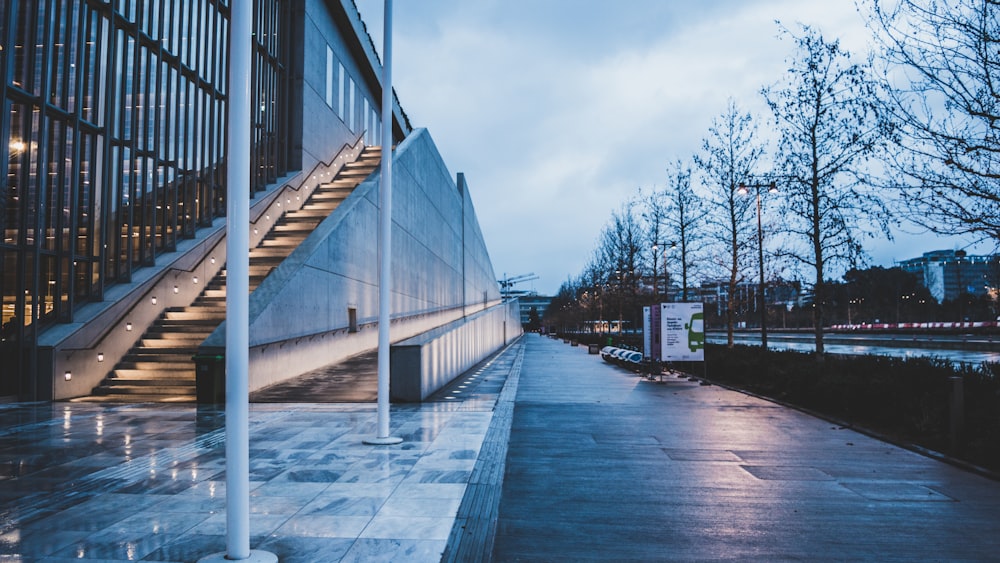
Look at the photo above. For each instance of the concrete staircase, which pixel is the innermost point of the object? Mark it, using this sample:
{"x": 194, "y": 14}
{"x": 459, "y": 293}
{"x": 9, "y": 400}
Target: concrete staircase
{"x": 160, "y": 368}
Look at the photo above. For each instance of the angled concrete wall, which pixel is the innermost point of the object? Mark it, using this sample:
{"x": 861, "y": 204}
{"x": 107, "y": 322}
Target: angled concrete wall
{"x": 300, "y": 316}
{"x": 424, "y": 364}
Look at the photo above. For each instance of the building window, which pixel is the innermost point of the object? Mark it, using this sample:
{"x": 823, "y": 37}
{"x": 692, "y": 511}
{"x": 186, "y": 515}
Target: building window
{"x": 341, "y": 88}
{"x": 364, "y": 121}
{"x": 330, "y": 78}
{"x": 349, "y": 105}
{"x": 124, "y": 151}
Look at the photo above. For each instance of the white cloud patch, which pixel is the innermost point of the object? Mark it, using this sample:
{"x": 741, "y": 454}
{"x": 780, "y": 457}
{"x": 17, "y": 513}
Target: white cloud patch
{"x": 558, "y": 111}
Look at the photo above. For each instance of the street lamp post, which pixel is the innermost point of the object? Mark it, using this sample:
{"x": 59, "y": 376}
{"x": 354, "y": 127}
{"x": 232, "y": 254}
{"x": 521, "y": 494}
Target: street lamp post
{"x": 621, "y": 300}
{"x": 656, "y": 247}
{"x": 772, "y": 188}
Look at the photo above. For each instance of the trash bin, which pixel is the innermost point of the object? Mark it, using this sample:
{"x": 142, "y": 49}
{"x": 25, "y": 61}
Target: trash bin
{"x": 210, "y": 379}
{"x": 594, "y": 349}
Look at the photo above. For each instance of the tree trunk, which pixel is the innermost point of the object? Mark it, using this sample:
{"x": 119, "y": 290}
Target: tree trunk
{"x": 819, "y": 291}
{"x": 730, "y": 303}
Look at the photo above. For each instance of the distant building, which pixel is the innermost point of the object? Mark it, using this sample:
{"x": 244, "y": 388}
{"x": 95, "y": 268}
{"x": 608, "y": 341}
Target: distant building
{"x": 949, "y": 273}
{"x": 528, "y": 302}
{"x": 716, "y": 292}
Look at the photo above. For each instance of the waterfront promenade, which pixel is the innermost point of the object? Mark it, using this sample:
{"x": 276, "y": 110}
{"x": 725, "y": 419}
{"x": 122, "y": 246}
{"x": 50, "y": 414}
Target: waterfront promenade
{"x": 604, "y": 465}
{"x": 563, "y": 456}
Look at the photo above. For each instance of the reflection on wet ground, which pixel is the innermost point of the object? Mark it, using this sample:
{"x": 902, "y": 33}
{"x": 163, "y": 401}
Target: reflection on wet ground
{"x": 112, "y": 482}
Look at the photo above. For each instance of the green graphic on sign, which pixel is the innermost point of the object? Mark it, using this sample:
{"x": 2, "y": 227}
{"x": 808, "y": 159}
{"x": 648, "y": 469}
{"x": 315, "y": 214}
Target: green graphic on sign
{"x": 696, "y": 332}
{"x": 682, "y": 332}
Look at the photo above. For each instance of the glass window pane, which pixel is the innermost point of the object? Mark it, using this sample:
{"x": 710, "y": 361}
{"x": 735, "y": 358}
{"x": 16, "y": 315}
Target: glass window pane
{"x": 25, "y": 12}
{"x": 40, "y": 48}
{"x": 11, "y": 311}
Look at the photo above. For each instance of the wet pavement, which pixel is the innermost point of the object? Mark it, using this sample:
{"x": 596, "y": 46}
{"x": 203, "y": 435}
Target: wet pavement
{"x": 605, "y": 465}
{"x": 544, "y": 453}
{"x": 83, "y": 481}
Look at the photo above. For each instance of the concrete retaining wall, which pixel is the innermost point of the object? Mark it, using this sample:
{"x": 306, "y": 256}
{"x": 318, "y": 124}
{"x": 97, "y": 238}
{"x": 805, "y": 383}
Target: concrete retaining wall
{"x": 422, "y": 365}
{"x": 441, "y": 271}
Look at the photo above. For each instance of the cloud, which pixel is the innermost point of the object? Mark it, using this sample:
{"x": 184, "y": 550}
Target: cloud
{"x": 558, "y": 111}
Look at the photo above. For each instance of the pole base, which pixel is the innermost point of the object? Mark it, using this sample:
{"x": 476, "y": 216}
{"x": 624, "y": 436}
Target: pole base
{"x": 387, "y": 441}
{"x": 256, "y": 556}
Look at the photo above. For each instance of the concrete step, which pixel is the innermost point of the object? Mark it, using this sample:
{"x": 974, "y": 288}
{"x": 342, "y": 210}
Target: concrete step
{"x": 198, "y": 314}
{"x": 340, "y": 184}
{"x": 161, "y": 332}
{"x": 331, "y": 191}
{"x": 293, "y": 237}
{"x": 307, "y": 214}
{"x": 153, "y": 360}
{"x": 290, "y": 229}
{"x": 143, "y": 394}
{"x": 158, "y": 332}
{"x": 137, "y": 398}
{"x": 276, "y": 243}
{"x": 324, "y": 206}
{"x": 170, "y": 387}
{"x": 147, "y": 367}
{"x": 269, "y": 255}
{"x": 271, "y": 250}
{"x": 174, "y": 324}
{"x": 141, "y": 378}
{"x": 354, "y": 168}
{"x": 155, "y": 348}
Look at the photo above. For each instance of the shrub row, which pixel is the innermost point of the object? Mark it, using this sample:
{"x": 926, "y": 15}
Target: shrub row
{"x": 906, "y": 399}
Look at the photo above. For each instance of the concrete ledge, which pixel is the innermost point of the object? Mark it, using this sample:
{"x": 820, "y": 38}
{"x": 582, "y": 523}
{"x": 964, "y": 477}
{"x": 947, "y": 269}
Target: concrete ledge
{"x": 421, "y": 365}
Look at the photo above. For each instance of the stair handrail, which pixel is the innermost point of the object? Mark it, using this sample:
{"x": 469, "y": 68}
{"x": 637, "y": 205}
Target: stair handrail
{"x": 337, "y": 160}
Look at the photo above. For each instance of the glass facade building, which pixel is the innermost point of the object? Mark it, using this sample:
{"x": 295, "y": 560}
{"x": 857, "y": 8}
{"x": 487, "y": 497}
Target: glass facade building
{"x": 115, "y": 119}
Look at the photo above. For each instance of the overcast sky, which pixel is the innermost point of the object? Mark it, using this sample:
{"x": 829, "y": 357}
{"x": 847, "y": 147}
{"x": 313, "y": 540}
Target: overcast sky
{"x": 558, "y": 111}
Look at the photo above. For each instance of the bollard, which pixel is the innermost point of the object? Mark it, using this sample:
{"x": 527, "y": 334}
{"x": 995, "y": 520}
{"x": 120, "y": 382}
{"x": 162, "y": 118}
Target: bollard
{"x": 956, "y": 411}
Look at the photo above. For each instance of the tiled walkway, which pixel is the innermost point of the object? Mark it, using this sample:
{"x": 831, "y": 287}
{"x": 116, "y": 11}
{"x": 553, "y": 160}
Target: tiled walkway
{"x": 147, "y": 482}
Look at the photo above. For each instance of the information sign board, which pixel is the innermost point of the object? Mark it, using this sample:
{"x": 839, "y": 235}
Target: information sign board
{"x": 682, "y": 332}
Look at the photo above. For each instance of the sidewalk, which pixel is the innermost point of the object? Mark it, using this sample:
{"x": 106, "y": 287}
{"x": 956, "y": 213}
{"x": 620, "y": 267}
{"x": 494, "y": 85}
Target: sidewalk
{"x": 80, "y": 481}
{"x": 604, "y": 465}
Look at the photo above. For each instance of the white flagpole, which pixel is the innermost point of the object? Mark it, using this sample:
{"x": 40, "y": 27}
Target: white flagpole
{"x": 385, "y": 240}
{"x": 238, "y": 295}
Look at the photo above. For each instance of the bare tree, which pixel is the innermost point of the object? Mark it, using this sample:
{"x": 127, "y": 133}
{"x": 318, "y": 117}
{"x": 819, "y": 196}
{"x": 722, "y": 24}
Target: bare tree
{"x": 619, "y": 254}
{"x": 942, "y": 62}
{"x": 654, "y": 218}
{"x": 684, "y": 216}
{"x": 826, "y": 111}
{"x": 729, "y": 155}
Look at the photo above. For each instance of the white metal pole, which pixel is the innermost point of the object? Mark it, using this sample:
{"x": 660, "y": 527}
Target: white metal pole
{"x": 385, "y": 239}
{"x": 238, "y": 295}
{"x": 238, "y": 286}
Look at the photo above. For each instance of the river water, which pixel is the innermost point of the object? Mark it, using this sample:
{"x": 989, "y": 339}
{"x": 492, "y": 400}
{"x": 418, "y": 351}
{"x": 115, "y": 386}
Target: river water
{"x": 807, "y": 345}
